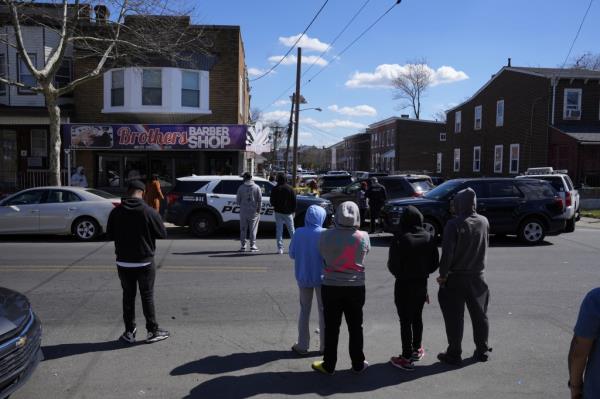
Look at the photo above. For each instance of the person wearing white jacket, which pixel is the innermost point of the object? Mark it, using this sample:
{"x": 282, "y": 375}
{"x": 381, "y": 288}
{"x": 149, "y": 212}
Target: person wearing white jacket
{"x": 78, "y": 178}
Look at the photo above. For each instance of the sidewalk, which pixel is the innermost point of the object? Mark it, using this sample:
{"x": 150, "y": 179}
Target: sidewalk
{"x": 589, "y": 223}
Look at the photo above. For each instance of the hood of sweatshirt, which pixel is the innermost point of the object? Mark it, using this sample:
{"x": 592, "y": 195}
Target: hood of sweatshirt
{"x": 347, "y": 215}
{"x": 315, "y": 216}
{"x": 465, "y": 202}
{"x": 133, "y": 204}
{"x": 79, "y": 169}
{"x": 411, "y": 219}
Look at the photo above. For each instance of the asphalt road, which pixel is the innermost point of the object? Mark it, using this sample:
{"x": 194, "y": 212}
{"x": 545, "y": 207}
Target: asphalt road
{"x": 233, "y": 319}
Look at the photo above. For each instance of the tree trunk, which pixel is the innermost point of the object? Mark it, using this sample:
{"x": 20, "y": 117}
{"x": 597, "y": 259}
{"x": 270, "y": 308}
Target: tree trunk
{"x": 54, "y": 178}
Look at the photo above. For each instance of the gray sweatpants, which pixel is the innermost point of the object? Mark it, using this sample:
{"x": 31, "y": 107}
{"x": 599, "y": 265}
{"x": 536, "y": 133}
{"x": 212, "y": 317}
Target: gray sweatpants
{"x": 249, "y": 227}
{"x": 306, "y": 296}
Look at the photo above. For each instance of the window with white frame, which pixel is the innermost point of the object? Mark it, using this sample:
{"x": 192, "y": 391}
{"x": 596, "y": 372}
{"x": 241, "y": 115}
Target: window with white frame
{"x": 25, "y": 75}
{"x": 476, "y": 158}
{"x": 572, "y": 104}
{"x": 457, "y": 121}
{"x": 152, "y": 87}
{"x": 190, "y": 89}
{"x": 64, "y": 74}
{"x": 117, "y": 88}
{"x": 39, "y": 143}
{"x": 500, "y": 113}
{"x": 2, "y": 73}
{"x": 514, "y": 158}
{"x": 456, "y": 159}
{"x": 443, "y": 136}
{"x": 498, "y": 151}
{"x": 438, "y": 163}
{"x": 477, "y": 122}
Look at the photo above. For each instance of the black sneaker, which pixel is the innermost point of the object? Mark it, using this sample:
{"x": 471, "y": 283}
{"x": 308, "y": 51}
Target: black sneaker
{"x": 129, "y": 336}
{"x": 158, "y": 335}
{"x": 449, "y": 359}
{"x": 482, "y": 356}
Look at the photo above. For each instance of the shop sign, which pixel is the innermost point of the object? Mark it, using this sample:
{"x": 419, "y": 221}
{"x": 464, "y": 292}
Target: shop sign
{"x": 155, "y": 137}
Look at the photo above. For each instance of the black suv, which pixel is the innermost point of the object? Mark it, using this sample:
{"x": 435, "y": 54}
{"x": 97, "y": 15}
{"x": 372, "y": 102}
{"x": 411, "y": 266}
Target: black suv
{"x": 395, "y": 186}
{"x": 528, "y": 208}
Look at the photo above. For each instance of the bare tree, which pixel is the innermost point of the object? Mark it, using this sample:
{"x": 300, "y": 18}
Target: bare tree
{"x": 587, "y": 61}
{"x": 439, "y": 116}
{"x": 104, "y": 43}
{"x": 256, "y": 114}
{"x": 411, "y": 85}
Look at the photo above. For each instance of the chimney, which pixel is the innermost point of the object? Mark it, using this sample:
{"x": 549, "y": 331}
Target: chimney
{"x": 405, "y": 116}
{"x": 509, "y": 65}
{"x": 102, "y": 13}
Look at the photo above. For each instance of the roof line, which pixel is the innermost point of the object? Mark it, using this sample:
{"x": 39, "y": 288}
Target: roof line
{"x": 398, "y": 118}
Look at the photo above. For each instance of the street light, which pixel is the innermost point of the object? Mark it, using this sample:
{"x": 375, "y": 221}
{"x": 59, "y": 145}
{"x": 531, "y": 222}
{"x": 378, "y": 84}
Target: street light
{"x": 308, "y": 109}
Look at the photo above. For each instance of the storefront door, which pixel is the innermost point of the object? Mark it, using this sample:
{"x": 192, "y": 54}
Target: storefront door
{"x": 8, "y": 160}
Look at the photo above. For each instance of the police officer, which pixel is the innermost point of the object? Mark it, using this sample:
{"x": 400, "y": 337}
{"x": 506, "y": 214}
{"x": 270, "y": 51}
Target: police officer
{"x": 377, "y": 195}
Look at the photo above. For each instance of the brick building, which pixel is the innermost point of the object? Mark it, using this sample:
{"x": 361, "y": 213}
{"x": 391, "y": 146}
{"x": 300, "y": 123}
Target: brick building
{"x": 416, "y": 143}
{"x": 357, "y": 150}
{"x": 526, "y": 117}
{"x": 383, "y": 143}
{"x": 169, "y": 117}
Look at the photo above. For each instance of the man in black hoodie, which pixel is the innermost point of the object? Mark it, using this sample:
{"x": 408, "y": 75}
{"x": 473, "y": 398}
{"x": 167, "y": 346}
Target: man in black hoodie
{"x": 377, "y": 195}
{"x": 134, "y": 227}
{"x": 464, "y": 249}
{"x": 413, "y": 257}
{"x": 283, "y": 200}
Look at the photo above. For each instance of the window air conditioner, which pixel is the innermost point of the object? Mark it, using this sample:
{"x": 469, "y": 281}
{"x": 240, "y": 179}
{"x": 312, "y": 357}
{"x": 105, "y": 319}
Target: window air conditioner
{"x": 573, "y": 113}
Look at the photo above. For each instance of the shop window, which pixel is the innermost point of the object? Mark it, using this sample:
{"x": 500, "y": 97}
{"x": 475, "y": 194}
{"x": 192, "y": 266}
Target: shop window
{"x": 64, "y": 74}
{"x": 152, "y": 87}
{"x": 190, "y": 89}
{"x": 25, "y": 75}
{"x": 39, "y": 143}
{"x": 2, "y": 73}
{"x": 227, "y": 187}
{"x": 117, "y": 88}
{"x": 135, "y": 168}
{"x": 109, "y": 172}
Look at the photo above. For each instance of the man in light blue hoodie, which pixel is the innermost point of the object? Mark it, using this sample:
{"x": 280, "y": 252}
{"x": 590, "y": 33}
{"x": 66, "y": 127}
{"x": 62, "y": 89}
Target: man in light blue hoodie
{"x": 304, "y": 249}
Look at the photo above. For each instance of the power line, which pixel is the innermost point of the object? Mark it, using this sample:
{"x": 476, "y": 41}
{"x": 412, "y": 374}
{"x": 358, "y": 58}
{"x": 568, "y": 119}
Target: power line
{"x": 340, "y": 33}
{"x": 364, "y": 32}
{"x": 577, "y": 34}
{"x": 293, "y": 46}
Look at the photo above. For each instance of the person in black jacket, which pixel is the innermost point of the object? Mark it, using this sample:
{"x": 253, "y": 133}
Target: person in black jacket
{"x": 413, "y": 257}
{"x": 134, "y": 227}
{"x": 377, "y": 195}
{"x": 283, "y": 200}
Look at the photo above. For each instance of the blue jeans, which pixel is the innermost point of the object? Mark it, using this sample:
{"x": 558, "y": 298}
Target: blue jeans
{"x": 280, "y": 220}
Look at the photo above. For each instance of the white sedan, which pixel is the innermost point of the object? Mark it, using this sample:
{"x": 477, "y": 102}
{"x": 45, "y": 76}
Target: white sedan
{"x": 82, "y": 212}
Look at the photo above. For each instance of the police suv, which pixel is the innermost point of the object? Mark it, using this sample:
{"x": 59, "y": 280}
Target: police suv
{"x": 205, "y": 203}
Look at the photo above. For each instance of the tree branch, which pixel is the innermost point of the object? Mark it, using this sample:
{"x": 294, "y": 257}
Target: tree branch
{"x": 19, "y": 36}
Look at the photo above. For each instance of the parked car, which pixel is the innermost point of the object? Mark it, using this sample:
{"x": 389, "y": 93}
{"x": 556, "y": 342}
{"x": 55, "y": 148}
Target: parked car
{"x": 563, "y": 184}
{"x": 206, "y": 203}
{"x": 529, "y": 208}
{"x": 330, "y": 183}
{"x": 338, "y": 172}
{"x": 396, "y": 187}
{"x": 437, "y": 180}
{"x": 82, "y": 212}
{"x": 20, "y": 341}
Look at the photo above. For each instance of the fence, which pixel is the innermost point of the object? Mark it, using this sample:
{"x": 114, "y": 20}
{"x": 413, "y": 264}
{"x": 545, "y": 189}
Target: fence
{"x": 38, "y": 178}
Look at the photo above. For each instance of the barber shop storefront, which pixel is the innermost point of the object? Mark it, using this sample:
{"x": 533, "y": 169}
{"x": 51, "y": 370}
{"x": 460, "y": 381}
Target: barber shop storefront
{"x": 114, "y": 154}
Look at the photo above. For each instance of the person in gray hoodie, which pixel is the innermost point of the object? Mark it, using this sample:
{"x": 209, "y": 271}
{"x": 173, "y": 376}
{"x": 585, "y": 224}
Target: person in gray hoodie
{"x": 249, "y": 199}
{"x": 343, "y": 249}
{"x": 464, "y": 250}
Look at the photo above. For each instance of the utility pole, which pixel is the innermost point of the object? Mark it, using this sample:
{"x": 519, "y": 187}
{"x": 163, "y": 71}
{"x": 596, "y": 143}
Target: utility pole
{"x": 297, "y": 111}
{"x": 289, "y": 134}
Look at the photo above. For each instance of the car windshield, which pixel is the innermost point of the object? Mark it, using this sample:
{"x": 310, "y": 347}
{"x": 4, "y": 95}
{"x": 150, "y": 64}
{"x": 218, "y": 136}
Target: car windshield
{"x": 101, "y": 193}
{"x": 421, "y": 186}
{"x": 443, "y": 190}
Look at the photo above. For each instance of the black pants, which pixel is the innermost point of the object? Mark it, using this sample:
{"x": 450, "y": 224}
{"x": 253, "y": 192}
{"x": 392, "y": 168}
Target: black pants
{"x": 363, "y": 216}
{"x": 348, "y": 301}
{"x": 131, "y": 278}
{"x": 410, "y": 297}
{"x": 375, "y": 214}
{"x": 458, "y": 291}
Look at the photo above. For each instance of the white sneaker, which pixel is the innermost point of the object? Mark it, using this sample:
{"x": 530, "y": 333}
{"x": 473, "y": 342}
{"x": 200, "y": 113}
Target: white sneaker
{"x": 254, "y": 248}
{"x": 280, "y": 251}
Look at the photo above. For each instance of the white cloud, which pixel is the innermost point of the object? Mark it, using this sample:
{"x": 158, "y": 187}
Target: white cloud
{"x": 332, "y": 124}
{"x": 305, "y": 135}
{"x": 306, "y": 42}
{"x": 275, "y": 115}
{"x": 282, "y": 102}
{"x": 292, "y": 59}
{"x": 359, "y": 110}
{"x": 384, "y": 74}
{"x": 254, "y": 72}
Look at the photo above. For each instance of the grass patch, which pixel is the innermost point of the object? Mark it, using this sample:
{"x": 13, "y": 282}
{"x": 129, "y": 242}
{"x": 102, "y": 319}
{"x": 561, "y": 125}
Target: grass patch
{"x": 593, "y": 213}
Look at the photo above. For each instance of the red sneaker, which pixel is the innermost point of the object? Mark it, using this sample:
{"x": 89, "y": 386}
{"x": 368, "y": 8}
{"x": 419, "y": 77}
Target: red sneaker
{"x": 402, "y": 363}
{"x": 418, "y": 354}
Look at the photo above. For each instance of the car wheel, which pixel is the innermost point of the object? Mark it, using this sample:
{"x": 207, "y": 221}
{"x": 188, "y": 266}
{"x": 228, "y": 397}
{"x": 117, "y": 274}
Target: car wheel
{"x": 431, "y": 227}
{"x": 532, "y": 231}
{"x": 85, "y": 229}
{"x": 203, "y": 224}
{"x": 570, "y": 225}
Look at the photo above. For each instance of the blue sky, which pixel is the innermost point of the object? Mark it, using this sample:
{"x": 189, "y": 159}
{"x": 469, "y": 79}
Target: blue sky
{"x": 471, "y": 38}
